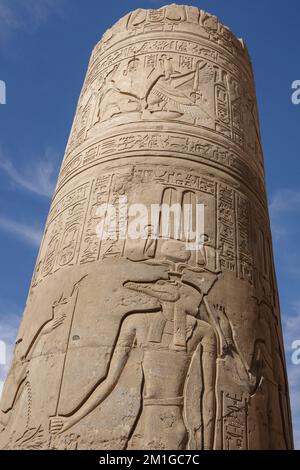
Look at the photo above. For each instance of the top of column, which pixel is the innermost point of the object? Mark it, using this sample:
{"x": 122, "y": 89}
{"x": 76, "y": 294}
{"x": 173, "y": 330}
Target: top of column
{"x": 184, "y": 20}
{"x": 177, "y": 71}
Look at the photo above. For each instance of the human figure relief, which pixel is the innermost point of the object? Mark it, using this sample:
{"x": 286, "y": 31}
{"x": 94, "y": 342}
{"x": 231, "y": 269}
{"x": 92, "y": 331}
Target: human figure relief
{"x": 174, "y": 94}
{"x": 186, "y": 332}
{"x": 268, "y": 369}
{"x": 171, "y": 336}
{"x": 21, "y": 366}
{"x": 118, "y": 92}
{"x": 160, "y": 92}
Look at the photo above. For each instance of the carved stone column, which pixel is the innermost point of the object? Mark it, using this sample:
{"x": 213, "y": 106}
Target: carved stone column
{"x": 143, "y": 344}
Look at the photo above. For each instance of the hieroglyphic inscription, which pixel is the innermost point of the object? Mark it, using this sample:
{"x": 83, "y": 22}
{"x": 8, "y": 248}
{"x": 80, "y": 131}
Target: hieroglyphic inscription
{"x": 234, "y": 421}
{"x": 63, "y": 231}
{"x": 234, "y": 231}
{"x": 191, "y": 49}
{"x": 189, "y": 19}
{"x": 166, "y": 142}
{"x": 62, "y": 235}
{"x": 227, "y": 228}
{"x": 148, "y": 57}
{"x": 245, "y": 254}
{"x": 91, "y": 242}
{"x": 67, "y": 242}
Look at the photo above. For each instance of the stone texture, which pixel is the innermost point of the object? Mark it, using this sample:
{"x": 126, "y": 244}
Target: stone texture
{"x": 139, "y": 344}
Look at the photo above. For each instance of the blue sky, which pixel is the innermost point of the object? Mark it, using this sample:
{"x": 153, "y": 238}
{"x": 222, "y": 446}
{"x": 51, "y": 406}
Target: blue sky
{"x": 44, "y": 50}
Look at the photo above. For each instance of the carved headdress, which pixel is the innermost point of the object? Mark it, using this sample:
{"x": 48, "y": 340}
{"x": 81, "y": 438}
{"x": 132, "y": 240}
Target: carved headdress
{"x": 185, "y": 283}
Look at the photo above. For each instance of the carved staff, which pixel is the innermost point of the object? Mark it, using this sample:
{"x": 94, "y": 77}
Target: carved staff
{"x": 75, "y": 289}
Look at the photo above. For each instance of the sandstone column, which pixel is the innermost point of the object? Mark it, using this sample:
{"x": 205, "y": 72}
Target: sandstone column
{"x": 140, "y": 343}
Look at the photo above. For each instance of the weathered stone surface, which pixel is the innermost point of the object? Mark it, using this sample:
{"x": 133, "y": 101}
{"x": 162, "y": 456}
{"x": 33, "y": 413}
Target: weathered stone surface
{"x": 139, "y": 344}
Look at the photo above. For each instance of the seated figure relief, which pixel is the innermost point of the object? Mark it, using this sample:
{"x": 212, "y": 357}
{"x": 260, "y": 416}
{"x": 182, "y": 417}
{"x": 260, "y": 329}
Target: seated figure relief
{"x": 163, "y": 92}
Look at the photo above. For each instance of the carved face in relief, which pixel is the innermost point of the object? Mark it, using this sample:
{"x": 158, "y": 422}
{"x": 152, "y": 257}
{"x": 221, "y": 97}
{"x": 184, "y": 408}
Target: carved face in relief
{"x": 190, "y": 300}
{"x": 186, "y": 297}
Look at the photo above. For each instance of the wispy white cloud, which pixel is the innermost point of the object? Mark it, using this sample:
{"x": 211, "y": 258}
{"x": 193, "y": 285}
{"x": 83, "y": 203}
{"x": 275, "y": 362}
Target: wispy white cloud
{"x": 284, "y": 213}
{"x": 26, "y": 15}
{"x": 39, "y": 176}
{"x": 284, "y": 210}
{"x": 291, "y": 330}
{"x": 27, "y": 233}
{"x": 285, "y": 200}
{"x": 8, "y": 331}
{"x": 291, "y": 325}
{"x": 294, "y": 385}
